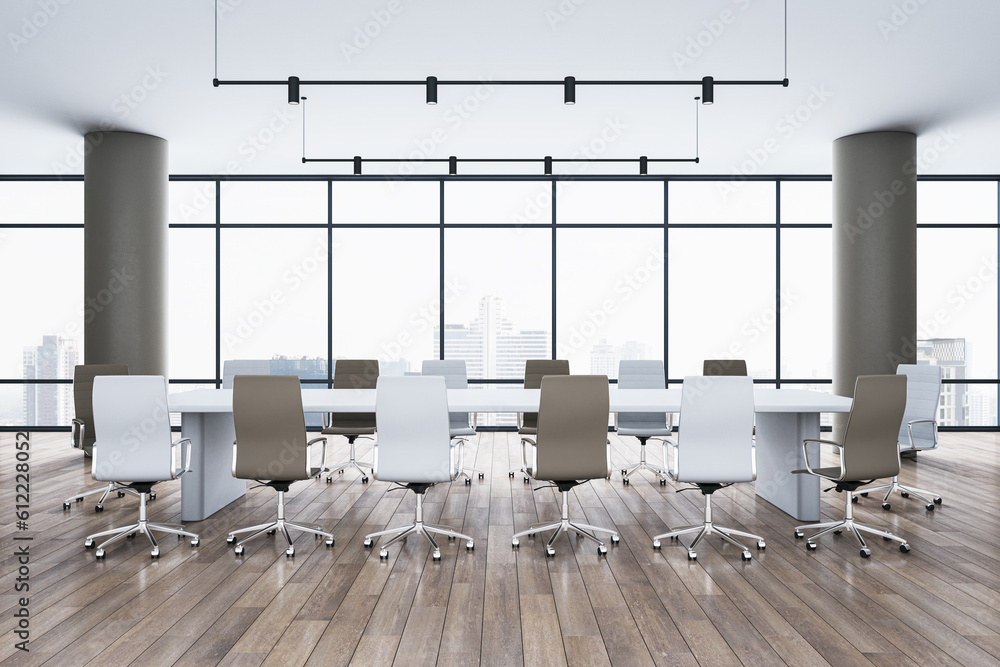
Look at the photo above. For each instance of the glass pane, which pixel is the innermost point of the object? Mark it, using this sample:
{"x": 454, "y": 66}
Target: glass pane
{"x": 806, "y": 201}
{"x": 957, "y": 202}
{"x": 609, "y": 297}
{"x": 957, "y": 300}
{"x": 386, "y": 302}
{"x": 806, "y": 303}
{"x": 721, "y": 299}
{"x": 498, "y": 304}
{"x": 498, "y": 201}
{"x": 617, "y": 201}
{"x": 42, "y": 302}
{"x": 36, "y": 405}
{"x": 720, "y": 201}
{"x": 40, "y": 202}
{"x": 192, "y": 304}
{"x": 980, "y": 407}
{"x": 191, "y": 202}
{"x": 275, "y": 201}
{"x": 387, "y": 201}
{"x": 274, "y": 294}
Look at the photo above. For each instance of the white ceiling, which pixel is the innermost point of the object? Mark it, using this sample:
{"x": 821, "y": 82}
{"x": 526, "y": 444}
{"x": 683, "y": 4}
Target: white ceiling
{"x": 927, "y": 66}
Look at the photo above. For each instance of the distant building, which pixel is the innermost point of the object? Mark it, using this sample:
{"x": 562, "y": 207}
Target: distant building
{"x": 49, "y": 404}
{"x": 950, "y": 355}
{"x": 603, "y": 360}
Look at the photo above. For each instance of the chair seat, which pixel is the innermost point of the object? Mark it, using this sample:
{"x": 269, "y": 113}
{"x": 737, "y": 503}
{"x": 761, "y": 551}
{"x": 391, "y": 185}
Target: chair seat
{"x": 831, "y": 473}
{"x": 527, "y": 430}
{"x": 348, "y": 430}
{"x": 459, "y": 432}
{"x": 644, "y": 432}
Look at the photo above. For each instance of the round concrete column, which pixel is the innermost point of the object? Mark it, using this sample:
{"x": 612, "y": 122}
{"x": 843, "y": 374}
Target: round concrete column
{"x": 874, "y": 256}
{"x": 125, "y": 251}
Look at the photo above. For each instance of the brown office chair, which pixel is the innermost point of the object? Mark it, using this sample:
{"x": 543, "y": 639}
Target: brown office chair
{"x": 571, "y": 447}
{"x": 869, "y": 452}
{"x": 272, "y": 444}
{"x": 83, "y": 428}
{"x": 724, "y": 367}
{"x": 527, "y": 422}
{"x": 352, "y": 374}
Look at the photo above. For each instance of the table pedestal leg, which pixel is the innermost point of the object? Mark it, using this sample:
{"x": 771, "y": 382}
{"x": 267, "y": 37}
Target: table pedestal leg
{"x": 210, "y": 485}
{"x": 779, "y": 451}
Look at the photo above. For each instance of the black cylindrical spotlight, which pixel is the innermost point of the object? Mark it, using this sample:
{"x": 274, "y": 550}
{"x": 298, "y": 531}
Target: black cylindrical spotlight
{"x": 707, "y": 90}
{"x": 452, "y": 165}
{"x": 293, "y": 90}
{"x": 548, "y": 165}
{"x": 357, "y": 165}
{"x": 569, "y": 90}
{"x": 643, "y": 165}
{"x": 432, "y": 90}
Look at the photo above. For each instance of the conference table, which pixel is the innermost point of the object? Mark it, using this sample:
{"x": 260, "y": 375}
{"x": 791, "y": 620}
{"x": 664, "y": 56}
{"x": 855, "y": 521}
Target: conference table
{"x": 784, "y": 417}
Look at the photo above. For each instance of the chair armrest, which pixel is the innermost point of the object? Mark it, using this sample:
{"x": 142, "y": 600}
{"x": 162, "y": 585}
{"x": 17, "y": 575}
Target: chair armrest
{"x": 309, "y": 453}
{"x": 186, "y": 456}
{"x": 525, "y": 439}
{"x": 909, "y": 431}
{"x": 520, "y": 420}
{"x": 805, "y": 453}
{"x": 671, "y": 471}
{"x": 616, "y": 420}
{"x": 78, "y": 429}
{"x": 327, "y": 418}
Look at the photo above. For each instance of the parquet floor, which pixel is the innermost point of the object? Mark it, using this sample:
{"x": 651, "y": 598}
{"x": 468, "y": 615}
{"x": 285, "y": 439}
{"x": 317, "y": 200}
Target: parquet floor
{"x": 937, "y": 605}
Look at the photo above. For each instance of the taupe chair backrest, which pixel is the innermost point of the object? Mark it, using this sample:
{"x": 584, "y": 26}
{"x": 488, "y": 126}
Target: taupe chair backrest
{"x": 534, "y": 371}
{"x": 641, "y": 374}
{"x": 572, "y": 441}
{"x": 724, "y": 367}
{"x": 923, "y": 393}
{"x": 414, "y": 441}
{"x": 715, "y": 442}
{"x": 132, "y": 425}
{"x": 270, "y": 428}
{"x": 354, "y": 374}
{"x": 83, "y": 395}
{"x": 455, "y": 377}
{"x": 870, "y": 438}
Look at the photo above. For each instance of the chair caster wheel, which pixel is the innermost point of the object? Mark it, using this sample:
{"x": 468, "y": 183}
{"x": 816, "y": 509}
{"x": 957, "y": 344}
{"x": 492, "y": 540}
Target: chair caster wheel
{"x": 837, "y": 532}
{"x": 550, "y": 552}
{"x": 692, "y": 555}
{"x": 329, "y": 480}
{"x": 99, "y": 555}
{"x": 904, "y": 494}
{"x": 195, "y": 542}
{"x": 436, "y": 555}
{"x": 470, "y": 545}
{"x": 468, "y": 481}
{"x": 66, "y": 506}
{"x": 272, "y": 532}
{"x": 231, "y": 539}
{"x": 79, "y": 500}
{"x": 864, "y": 494}
{"x": 383, "y": 554}
{"x": 656, "y": 544}
{"x": 289, "y": 552}
{"x": 865, "y": 553}
{"x": 886, "y": 506}
{"x": 152, "y": 495}
{"x": 239, "y": 550}
{"x": 746, "y": 556}
{"x": 451, "y": 537}
{"x": 663, "y": 482}
{"x": 527, "y": 479}
{"x": 885, "y": 539}
{"x": 904, "y": 548}
{"x": 131, "y": 536}
{"x": 121, "y": 494}
{"x": 98, "y": 508}
{"x": 615, "y": 539}
{"x": 369, "y": 542}
{"x": 482, "y": 475}
{"x": 155, "y": 553}
{"x": 810, "y": 546}
{"x": 854, "y": 499}
{"x": 799, "y": 534}
{"x": 929, "y": 507}
{"x": 364, "y": 480}
{"x": 937, "y": 501}
{"x": 761, "y": 545}
{"x": 511, "y": 474}
{"x": 624, "y": 471}
{"x": 89, "y": 544}
{"x": 602, "y": 550}
{"x": 515, "y": 543}
{"x": 625, "y": 481}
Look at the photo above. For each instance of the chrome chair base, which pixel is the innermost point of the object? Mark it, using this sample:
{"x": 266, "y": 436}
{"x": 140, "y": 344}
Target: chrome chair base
{"x": 627, "y": 471}
{"x": 104, "y": 491}
{"x": 848, "y": 523}
{"x": 929, "y": 497}
{"x": 420, "y": 528}
{"x": 565, "y": 525}
{"x": 709, "y": 528}
{"x": 352, "y": 461}
{"x": 278, "y": 525}
{"x": 143, "y": 526}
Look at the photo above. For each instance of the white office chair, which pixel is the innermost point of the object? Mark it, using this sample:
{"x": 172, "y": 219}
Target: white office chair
{"x": 918, "y": 430}
{"x": 134, "y": 443}
{"x": 714, "y": 449}
{"x": 414, "y": 450}
{"x": 644, "y": 426}
{"x": 460, "y": 423}
{"x": 233, "y": 367}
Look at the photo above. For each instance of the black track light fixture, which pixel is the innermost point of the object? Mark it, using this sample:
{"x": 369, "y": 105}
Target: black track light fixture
{"x": 293, "y": 90}
{"x": 357, "y": 165}
{"x": 569, "y": 90}
{"x": 432, "y": 90}
{"x": 707, "y": 90}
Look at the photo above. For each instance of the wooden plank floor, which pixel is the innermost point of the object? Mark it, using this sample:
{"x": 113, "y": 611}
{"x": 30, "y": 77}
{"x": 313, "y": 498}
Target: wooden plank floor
{"x": 937, "y": 605}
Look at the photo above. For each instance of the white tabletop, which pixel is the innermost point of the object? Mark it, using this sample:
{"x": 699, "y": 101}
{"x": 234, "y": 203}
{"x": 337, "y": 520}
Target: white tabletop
{"x": 501, "y": 399}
